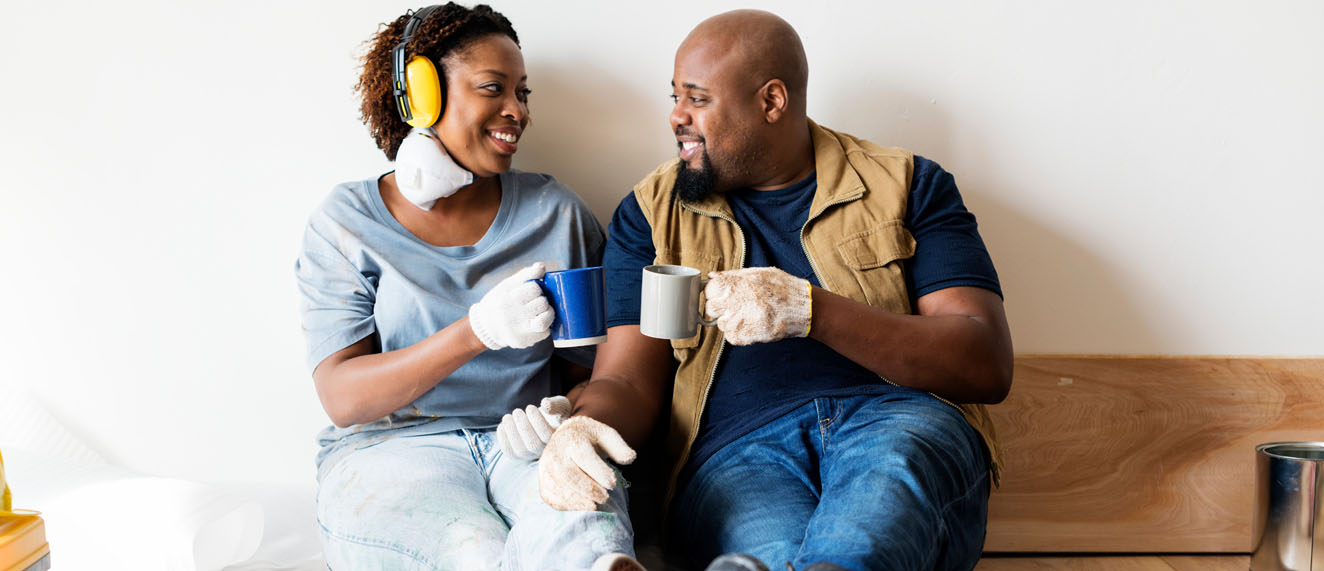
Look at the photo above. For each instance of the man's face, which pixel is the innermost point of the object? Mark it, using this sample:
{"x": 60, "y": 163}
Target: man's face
{"x": 714, "y": 121}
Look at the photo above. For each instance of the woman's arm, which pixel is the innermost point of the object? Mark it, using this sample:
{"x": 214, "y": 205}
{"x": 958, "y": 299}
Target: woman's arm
{"x": 359, "y": 384}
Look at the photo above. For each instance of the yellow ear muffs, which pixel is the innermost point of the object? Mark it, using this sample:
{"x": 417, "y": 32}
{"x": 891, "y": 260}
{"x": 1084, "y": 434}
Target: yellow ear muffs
{"x": 424, "y": 89}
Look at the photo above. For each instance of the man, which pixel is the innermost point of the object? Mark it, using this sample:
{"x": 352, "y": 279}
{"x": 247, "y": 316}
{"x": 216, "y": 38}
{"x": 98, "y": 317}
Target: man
{"x": 855, "y": 302}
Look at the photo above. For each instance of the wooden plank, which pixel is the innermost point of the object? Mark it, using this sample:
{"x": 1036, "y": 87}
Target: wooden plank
{"x": 1116, "y": 563}
{"x": 1143, "y": 454}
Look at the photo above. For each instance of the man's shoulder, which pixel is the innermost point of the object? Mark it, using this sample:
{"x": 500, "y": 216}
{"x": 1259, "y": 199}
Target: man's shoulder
{"x": 852, "y": 144}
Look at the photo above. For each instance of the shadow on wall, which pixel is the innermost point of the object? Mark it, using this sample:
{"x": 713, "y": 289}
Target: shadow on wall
{"x": 1058, "y": 294}
{"x": 596, "y": 135}
{"x": 1060, "y": 297}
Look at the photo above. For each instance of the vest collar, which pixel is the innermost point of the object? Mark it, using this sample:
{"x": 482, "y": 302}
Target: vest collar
{"x": 837, "y": 181}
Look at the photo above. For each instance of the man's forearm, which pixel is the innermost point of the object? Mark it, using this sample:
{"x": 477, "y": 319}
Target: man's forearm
{"x": 960, "y": 351}
{"x": 632, "y": 376}
{"x": 621, "y": 405}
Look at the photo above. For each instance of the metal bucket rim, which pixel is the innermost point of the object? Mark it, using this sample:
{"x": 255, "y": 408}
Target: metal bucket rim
{"x": 1265, "y": 449}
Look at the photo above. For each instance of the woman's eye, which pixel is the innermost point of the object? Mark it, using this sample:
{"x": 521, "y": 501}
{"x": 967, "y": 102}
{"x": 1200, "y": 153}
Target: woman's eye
{"x": 525, "y": 93}
{"x": 493, "y": 87}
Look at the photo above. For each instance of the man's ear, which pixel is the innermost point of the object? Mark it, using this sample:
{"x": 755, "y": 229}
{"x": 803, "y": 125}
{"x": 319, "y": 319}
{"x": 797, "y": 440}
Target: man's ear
{"x": 775, "y": 100}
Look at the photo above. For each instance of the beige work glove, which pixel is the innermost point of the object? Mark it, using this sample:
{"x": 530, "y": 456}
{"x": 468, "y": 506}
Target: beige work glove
{"x": 572, "y": 475}
{"x": 514, "y": 313}
{"x": 758, "y": 305}
{"x": 523, "y": 433}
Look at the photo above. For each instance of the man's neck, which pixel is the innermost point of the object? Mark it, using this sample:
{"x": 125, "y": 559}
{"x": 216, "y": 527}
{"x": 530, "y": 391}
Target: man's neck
{"x": 791, "y": 161}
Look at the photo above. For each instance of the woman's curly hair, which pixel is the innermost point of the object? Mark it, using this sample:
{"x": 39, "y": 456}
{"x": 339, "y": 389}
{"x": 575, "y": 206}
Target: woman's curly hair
{"x": 447, "y": 29}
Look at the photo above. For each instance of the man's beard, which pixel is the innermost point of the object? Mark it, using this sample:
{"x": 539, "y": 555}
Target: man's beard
{"x": 692, "y": 184}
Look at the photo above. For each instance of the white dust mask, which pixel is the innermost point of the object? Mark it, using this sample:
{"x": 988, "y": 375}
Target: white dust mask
{"x": 423, "y": 170}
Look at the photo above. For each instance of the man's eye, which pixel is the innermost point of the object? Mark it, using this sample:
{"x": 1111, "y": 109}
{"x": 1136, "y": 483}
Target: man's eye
{"x": 675, "y": 98}
{"x": 697, "y": 100}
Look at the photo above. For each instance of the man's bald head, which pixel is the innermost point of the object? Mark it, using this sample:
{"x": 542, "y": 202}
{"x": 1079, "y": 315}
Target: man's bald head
{"x": 752, "y": 47}
{"x": 739, "y": 118}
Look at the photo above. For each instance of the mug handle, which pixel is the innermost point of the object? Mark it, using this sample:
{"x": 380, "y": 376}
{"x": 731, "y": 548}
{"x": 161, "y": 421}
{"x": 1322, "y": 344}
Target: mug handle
{"x": 703, "y": 283}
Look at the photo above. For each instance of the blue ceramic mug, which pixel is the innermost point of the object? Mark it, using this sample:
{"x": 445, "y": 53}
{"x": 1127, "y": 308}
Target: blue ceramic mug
{"x": 578, "y": 296}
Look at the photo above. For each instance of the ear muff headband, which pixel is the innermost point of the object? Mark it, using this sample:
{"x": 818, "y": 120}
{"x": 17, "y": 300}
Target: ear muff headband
{"x": 417, "y": 91}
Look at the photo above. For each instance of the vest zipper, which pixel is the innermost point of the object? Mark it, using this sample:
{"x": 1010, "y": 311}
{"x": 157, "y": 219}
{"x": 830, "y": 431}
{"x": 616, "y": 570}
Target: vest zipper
{"x": 813, "y": 266}
{"x": 712, "y": 374}
{"x": 721, "y": 349}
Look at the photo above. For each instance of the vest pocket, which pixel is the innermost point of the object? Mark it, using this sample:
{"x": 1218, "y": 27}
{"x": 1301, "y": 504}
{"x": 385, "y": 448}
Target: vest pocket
{"x": 875, "y": 258}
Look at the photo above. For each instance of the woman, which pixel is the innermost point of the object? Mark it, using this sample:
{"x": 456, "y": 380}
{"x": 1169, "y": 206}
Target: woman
{"x": 422, "y": 325}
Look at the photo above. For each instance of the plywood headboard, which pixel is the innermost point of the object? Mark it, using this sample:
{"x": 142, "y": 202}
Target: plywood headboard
{"x": 1143, "y": 454}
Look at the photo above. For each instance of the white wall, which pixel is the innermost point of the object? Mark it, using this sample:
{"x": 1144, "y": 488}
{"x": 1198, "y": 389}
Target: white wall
{"x": 1147, "y": 177}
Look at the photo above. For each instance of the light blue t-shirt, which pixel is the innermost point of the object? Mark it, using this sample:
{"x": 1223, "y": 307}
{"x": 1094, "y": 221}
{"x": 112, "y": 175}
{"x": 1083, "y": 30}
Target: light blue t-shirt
{"x": 361, "y": 273}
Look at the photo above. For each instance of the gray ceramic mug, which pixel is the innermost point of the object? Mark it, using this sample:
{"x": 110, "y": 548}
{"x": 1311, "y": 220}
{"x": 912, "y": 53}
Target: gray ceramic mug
{"x": 669, "y": 302}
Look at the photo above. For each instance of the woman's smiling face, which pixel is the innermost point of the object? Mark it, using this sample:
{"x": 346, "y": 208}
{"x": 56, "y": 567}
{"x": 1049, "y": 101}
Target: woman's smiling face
{"x": 487, "y": 105}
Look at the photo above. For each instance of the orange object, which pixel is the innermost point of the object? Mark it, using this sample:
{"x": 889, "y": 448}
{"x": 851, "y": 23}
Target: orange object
{"x": 23, "y": 544}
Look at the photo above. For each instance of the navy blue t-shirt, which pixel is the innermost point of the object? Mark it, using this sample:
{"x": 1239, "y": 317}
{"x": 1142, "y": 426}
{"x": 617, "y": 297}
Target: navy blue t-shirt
{"x": 758, "y": 383}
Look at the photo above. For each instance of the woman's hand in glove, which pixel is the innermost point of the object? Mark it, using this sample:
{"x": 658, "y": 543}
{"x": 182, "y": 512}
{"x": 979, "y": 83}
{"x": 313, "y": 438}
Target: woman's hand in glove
{"x": 759, "y": 305}
{"x": 524, "y": 432}
{"x": 515, "y": 313}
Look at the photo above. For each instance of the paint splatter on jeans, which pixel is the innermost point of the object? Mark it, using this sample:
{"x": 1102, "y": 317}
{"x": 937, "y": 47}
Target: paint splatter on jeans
{"x": 454, "y": 501}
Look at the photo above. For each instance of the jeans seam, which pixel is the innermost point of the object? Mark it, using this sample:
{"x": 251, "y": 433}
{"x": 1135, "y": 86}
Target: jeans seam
{"x": 823, "y": 424}
{"x": 826, "y": 423}
{"x": 469, "y": 443}
{"x": 942, "y": 514}
{"x": 375, "y": 543}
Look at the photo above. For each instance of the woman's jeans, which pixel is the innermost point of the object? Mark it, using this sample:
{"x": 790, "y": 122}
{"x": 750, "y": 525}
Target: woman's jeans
{"x": 454, "y": 501}
{"x": 892, "y": 481}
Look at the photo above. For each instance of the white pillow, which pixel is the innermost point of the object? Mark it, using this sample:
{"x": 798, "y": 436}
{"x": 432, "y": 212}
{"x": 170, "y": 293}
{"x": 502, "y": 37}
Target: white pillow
{"x": 105, "y": 517}
{"x": 291, "y": 540}
{"x": 151, "y": 523}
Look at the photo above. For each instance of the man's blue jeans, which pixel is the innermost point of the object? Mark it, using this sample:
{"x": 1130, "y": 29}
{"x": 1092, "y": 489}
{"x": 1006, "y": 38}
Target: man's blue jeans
{"x": 893, "y": 481}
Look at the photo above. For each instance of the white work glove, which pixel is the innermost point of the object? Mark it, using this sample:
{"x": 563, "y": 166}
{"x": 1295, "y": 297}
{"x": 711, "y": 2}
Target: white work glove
{"x": 524, "y": 432}
{"x": 571, "y": 474}
{"x": 758, "y": 305}
{"x": 515, "y": 313}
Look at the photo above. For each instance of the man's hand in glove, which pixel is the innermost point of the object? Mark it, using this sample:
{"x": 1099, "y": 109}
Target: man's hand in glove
{"x": 758, "y": 305}
{"x": 515, "y": 313}
{"x": 571, "y": 474}
{"x": 524, "y": 432}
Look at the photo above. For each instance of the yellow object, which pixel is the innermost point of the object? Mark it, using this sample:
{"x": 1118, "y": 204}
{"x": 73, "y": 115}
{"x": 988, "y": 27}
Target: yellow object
{"x": 22, "y": 535}
{"x": 6, "y": 500}
{"x": 23, "y": 544}
{"x": 424, "y": 91}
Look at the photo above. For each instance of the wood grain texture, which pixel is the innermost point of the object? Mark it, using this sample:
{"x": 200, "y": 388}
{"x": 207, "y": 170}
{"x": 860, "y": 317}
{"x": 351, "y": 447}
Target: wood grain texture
{"x": 1143, "y": 454}
{"x": 1116, "y": 563}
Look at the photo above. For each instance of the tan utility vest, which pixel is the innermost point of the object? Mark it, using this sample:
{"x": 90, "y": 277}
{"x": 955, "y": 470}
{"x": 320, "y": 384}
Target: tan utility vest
{"x": 855, "y": 239}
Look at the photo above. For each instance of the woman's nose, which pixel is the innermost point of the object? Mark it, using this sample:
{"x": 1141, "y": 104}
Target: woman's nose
{"x": 515, "y": 109}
